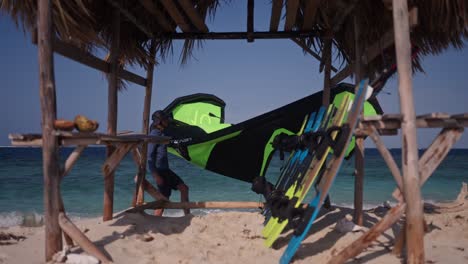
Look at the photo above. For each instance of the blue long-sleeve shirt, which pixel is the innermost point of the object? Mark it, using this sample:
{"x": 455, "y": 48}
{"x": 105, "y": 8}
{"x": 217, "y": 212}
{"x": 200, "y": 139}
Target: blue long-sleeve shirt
{"x": 157, "y": 154}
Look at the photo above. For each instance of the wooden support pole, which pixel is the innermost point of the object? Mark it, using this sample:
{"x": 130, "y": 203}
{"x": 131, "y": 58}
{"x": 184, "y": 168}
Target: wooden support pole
{"x": 71, "y": 160}
{"x": 411, "y": 177}
{"x": 311, "y": 8}
{"x": 112, "y": 112}
{"x": 84, "y": 242}
{"x": 301, "y": 44}
{"x": 358, "y": 217}
{"x": 50, "y": 151}
{"x": 139, "y": 191}
{"x": 364, "y": 241}
{"x": 276, "y": 8}
{"x": 291, "y": 13}
{"x": 193, "y": 205}
{"x": 114, "y": 160}
{"x": 250, "y": 20}
{"x": 327, "y": 57}
{"x": 387, "y": 156}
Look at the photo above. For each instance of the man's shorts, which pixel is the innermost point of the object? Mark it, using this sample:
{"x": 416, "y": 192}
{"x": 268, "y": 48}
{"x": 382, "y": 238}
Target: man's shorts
{"x": 171, "y": 181}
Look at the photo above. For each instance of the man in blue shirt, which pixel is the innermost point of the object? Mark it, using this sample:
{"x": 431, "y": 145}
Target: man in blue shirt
{"x": 158, "y": 163}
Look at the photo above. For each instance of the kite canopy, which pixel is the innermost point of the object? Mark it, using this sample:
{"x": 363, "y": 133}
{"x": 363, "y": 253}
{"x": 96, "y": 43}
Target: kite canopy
{"x": 241, "y": 151}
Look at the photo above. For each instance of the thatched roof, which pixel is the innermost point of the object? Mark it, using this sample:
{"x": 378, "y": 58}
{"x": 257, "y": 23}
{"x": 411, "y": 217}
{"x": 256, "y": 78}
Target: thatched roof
{"x": 88, "y": 24}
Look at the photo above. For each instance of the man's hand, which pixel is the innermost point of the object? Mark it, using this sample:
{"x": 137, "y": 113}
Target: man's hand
{"x": 159, "y": 180}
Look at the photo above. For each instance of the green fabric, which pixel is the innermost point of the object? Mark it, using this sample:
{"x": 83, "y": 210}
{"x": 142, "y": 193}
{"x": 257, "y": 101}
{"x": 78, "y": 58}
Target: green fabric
{"x": 369, "y": 110}
{"x": 198, "y": 114}
{"x": 200, "y": 153}
{"x": 269, "y": 147}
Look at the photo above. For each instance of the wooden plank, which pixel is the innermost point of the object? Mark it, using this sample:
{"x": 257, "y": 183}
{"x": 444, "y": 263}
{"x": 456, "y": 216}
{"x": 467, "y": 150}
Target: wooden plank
{"x": 193, "y": 14}
{"x": 301, "y": 44}
{"x": 311, "y": 8}
{"x": 411, "y": 177}
{"x": 139, "y": 195}
{"x": 112, "y": 112}
{"x": 292, "y": 7}
{"x": 74, "y": 53}
{"x": 50, "y": 151}
{"x": 365, "y": 240}
{"x": 358, "y": 217}
{"x": 71, "y": 160}
{"x": 239, "y": 35}
{"x": 158, "y": 15}
{"x": 176, "y": 15}
{"x": 433, "y": 116}
{"x": 327, "y": 56}
{"x": 84, "y": 242}
{"x": 192, "y": 205}
{"x": 149, "y": 188}
{"x": 130, "y": 17}
{"x": 276, "y": 8}
{"x": 398, "y": 117}
{"x": 114, "y": 160}
{"x": 387, "y": 156}
{"x": 250, "y": 20}
{"x": 343, "y": 74}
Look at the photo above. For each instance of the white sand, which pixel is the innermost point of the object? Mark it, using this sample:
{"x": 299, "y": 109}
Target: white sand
{"x": 234, "y": 237}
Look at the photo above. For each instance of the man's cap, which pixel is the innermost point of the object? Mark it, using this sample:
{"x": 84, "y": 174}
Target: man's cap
{"x": 160, "y": 115}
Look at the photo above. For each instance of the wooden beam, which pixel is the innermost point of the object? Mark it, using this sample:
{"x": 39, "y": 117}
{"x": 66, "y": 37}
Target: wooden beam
{"x": 387, "y": 156}
{"x": 139, "y": 195}
{"x": 112, "y": 108}
{"x": 365, "y": 240}
{"x": 359, "y": 151}
{"x": 116, "y": 4}
{"x": 50, "y": 151}
{"x": 193, "y": 14}
{"x": 160, "y": 204}
{"x": 239, "y": 35}
{"x": 343, "y": 74}
{"x": 327, "y": 57}
{"x": 84, "y": 242}
{"x": 301, "y": 44}
{"x": 158, "y": 15}
{"x": 176, "y": 15}
{"x": 74, "y": 53}
{"x": 437, "y": 151}
{"x": 71, "y": 160}
{"x": 411, "y": 177}
{"x": 292, "y": 7}
{"x": 250, "y": 20}
{"x": 114, "y": 160}
{"x": 309, "y": 14}
{"x": 276, "y": 8}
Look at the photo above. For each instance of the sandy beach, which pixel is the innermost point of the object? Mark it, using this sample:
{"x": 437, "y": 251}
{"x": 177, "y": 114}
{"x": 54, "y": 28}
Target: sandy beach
{"x": 234, "y": 237}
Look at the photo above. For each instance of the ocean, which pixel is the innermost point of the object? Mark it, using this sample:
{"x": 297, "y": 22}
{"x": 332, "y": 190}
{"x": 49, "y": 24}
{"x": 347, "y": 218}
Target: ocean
{"x": 21, "y": 183}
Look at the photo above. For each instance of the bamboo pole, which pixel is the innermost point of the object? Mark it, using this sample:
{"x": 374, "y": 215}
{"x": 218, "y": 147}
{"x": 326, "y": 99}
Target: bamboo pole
{"x": 327, "y": 57}
{"x": 358, "y": 217}
{"x": 412, "y": 191}
{"x": 112, "y": 113}
{"x": 50, "y": 151}
{"x": 84, "y": 242}
{"x": 138, "y": 198}
{"x": 250, "y": 20}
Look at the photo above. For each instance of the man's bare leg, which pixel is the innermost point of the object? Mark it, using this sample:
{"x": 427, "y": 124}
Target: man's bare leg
{"x": 184, "y": 195}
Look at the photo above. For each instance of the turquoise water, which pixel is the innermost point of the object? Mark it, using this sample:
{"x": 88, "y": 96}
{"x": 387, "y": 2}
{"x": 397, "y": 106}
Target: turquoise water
{"x": 82, "y": 190}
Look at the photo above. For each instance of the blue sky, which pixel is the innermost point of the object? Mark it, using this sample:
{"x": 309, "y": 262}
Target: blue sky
{"x": 252, "y": 78}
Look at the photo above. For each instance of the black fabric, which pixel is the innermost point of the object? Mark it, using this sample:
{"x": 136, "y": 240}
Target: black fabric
{"x": 241, "y": 157}
{"x": 170, "y": 182}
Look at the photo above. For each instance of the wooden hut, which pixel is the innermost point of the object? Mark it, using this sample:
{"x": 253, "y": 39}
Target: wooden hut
{"x": 366, "y": 34}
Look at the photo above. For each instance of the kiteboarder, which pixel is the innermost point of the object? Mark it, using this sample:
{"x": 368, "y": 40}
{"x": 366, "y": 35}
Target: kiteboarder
{"x": 158, "y": 163}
